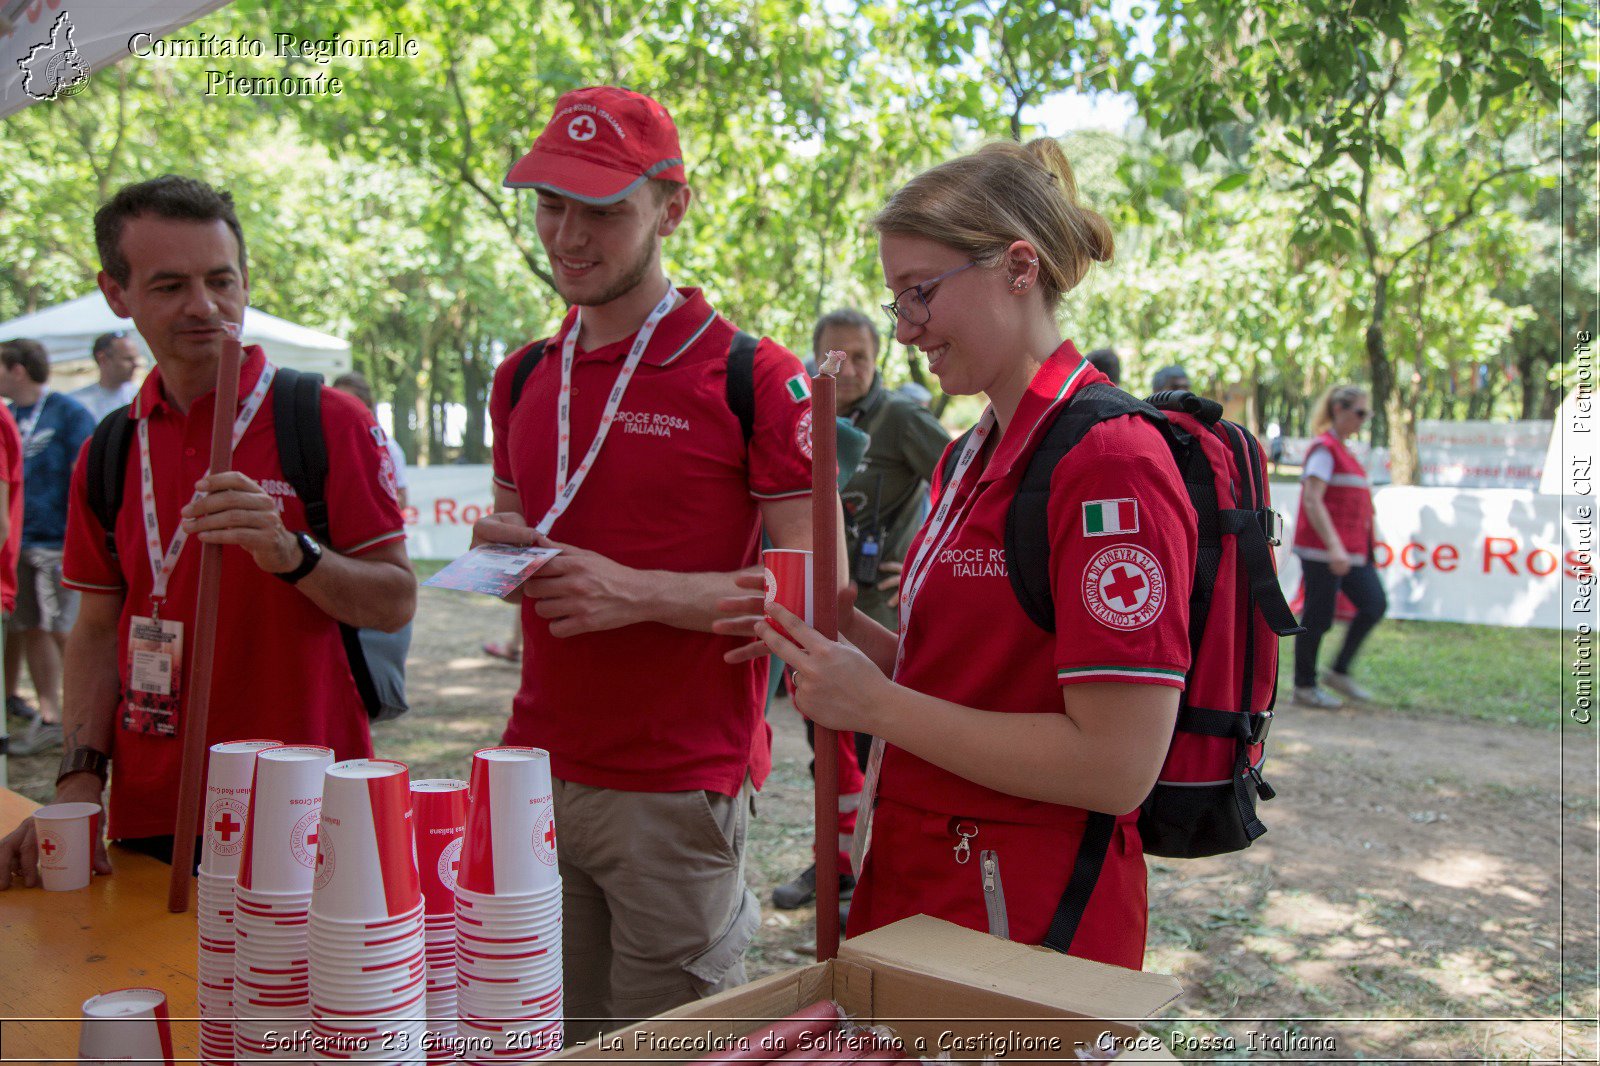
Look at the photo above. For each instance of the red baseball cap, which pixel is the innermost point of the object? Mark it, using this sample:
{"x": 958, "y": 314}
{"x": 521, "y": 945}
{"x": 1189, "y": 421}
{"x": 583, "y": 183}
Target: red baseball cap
{"x": 600, "y": 145}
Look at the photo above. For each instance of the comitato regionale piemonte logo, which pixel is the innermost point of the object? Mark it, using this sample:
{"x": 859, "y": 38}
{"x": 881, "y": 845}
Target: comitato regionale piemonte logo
{"x": 54, "y": 68}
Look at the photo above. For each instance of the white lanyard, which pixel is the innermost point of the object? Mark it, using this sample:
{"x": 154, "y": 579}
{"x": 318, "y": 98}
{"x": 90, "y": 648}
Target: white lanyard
{"x": 28, "y": 427}
{"x": 917, "y": 567}
{"x": 567, "y": 488}
{"x": 161, "y": 567}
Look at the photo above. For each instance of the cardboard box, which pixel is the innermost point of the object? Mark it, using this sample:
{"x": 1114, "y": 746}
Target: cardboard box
{"x": 940, "y": 987}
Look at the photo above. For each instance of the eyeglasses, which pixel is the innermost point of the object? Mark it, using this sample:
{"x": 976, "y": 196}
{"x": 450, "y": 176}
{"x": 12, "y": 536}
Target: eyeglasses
{"x": 915, "y": 311}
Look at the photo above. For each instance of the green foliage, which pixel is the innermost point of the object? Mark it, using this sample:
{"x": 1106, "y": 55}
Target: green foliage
{"x": 1299, "y": 173}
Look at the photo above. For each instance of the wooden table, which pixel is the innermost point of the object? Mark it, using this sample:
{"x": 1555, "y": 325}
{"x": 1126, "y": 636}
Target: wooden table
{"x": 59, "y": 948}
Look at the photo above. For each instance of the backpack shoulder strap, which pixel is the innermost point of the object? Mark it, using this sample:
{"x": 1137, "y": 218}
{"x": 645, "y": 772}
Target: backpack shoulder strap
{"x": 531, "y": 357}
{"x": 742, "y": 381}
{"x": 1027, "y": 536}
{"x": 302, "y": 448}
{"x": 108, "y": 466}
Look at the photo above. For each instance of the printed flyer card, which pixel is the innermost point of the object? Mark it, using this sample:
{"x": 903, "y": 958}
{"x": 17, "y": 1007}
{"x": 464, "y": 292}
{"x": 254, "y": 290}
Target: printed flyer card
{"x": 493, "y": 569}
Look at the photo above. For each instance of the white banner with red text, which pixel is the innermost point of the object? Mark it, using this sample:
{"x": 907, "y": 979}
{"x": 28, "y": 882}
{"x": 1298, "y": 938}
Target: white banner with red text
{"x": 1504, "y": 557}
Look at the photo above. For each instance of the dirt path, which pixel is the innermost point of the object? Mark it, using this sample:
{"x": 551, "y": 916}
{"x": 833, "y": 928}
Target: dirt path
{"x": 1407, "y": 903}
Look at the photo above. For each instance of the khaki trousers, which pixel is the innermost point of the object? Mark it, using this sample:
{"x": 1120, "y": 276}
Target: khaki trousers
{"x": 656, "y": 912}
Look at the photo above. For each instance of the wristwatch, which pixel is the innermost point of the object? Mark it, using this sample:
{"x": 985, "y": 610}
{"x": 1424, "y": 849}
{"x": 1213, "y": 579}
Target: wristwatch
{"x": 84, "y": 758}
{"x": 310, "y": 556}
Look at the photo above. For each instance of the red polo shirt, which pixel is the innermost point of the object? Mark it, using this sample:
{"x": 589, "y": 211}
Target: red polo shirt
{"x": 280, "y": 665}
{"x": 648, "y": 707}
{"x": 11, "y": 474}
{"x": 1122, "y": 544}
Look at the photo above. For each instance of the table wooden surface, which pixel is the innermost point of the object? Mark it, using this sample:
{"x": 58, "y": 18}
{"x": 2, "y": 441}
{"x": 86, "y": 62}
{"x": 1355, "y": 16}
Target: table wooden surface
{"x": 59, "y": 948}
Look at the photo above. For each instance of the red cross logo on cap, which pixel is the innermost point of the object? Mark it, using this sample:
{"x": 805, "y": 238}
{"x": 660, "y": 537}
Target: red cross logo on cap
{"x": 581, "y": 128}
{"x": 1125, "y": 586}
{"x": 225, "y": 826}
{"x": 48, "y": 847}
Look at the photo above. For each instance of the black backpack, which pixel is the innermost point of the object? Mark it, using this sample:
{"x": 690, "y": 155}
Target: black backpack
{"x": 1203, "y": 802}
{"x": 741, "y": 387}
{"x": 376, "y": 661}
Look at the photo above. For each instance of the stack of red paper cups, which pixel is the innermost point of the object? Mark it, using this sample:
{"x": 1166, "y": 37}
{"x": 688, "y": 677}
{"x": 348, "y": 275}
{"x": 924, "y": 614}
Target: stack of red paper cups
{"x": 228, "y": 775}
{"x": 368, "y": 1000}
{"x": 439, "y": 818}
{"x": 508, "y": 910}
{"x": 272, "y": 900}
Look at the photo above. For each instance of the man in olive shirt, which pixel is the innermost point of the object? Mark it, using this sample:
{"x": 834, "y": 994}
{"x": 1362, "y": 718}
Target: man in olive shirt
{"x": 882, "y": 505}
{"x": 883, "y": 501}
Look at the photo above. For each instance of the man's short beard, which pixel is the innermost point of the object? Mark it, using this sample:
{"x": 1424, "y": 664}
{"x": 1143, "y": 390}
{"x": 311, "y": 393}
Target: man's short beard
{"x": 630, "y": 279}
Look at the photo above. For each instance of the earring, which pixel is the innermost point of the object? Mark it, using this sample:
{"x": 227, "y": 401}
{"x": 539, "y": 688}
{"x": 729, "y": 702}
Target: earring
{"x": 1018, "y": 284}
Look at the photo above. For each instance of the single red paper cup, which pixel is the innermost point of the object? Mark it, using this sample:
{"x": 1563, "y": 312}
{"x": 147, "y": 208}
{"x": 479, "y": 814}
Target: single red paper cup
{"x": 280, "y": 836}
{"x": 365, "y": 866}
{"x": 439, "y": 820}
{"x": 788, "y": 577}
{"x": 66, "y": 833}
{"x": 510, "y": 843}
{"x": 229, "y": 772}
{"x": 129, "y": 1023}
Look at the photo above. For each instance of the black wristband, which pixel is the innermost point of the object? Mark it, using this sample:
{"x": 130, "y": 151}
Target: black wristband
{"x": 310, "y": 556}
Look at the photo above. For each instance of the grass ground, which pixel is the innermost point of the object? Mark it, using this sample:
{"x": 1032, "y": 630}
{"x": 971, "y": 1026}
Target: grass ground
{"x": 1448, "y": 669}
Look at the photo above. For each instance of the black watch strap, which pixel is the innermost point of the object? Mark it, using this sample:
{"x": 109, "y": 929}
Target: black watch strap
{"x": 310, "y": 556}
{"x": 84, "y": 759}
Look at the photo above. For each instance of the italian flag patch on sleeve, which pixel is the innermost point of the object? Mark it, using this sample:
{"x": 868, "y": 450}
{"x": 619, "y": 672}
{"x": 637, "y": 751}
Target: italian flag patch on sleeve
{"x": 1102, "y": 518}
{"x": 799, "y": 388}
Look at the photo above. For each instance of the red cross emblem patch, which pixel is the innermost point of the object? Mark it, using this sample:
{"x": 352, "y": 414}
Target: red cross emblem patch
{"x": 1124, "y": 587}
{"x": 581, "y": 128}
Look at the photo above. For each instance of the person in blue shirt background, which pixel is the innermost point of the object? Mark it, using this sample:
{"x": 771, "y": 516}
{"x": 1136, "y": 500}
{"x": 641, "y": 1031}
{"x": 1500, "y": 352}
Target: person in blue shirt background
{"x": 53, "y": 427}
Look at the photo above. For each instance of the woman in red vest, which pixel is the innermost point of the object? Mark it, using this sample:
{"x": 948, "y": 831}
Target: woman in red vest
{"x": 1333, "y": 537}
{"x": 1008, "y": 753}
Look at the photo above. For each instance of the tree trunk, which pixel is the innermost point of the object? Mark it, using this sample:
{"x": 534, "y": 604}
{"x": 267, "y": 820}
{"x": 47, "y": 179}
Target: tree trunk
{"x": 475, "y": 388}
{"x": 1394, "y": 416}
{"x": 404, "y": 401}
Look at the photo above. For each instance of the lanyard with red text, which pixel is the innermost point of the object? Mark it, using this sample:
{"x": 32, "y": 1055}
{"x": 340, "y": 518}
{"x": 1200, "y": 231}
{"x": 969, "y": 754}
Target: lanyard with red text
{"x": 911, "y": 579}
{"x": 917, "y": 567}
{"x": 161, "y": 567}
{"x": 567, "y": 487}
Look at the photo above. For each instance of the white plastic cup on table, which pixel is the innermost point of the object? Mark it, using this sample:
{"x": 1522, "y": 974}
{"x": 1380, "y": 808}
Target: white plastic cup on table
{"x": 229, "y": 772}
{"x": 510, "y": 842}
{"x": 127, "y": 1024}
{"x": 788, "y": 579}
{"x": 365, "y": 864}
{"x": 280, "y": 839}
{"x": 66, "y": 833}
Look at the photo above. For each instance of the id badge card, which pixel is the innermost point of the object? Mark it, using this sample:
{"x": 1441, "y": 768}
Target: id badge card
{"x": 155, "y": 676}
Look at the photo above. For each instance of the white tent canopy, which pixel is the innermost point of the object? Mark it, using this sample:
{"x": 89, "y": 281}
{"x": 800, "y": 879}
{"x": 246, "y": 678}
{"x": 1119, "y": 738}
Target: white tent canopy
{"x": 67, "y": 330}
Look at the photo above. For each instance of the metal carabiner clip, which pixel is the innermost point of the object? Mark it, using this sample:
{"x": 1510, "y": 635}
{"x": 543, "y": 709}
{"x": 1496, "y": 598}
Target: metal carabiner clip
{"x": 963, "y": 849}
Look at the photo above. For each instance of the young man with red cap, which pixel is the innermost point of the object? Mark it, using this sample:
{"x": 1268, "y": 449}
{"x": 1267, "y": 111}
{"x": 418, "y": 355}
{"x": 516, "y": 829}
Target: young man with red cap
{"x": 620, "y": 440}
{"x": 173, "y": 259}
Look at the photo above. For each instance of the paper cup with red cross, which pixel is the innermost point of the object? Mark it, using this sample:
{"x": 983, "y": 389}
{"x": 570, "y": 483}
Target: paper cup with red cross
{"x": 229, "y": 772}
{"x": 66, "y": 833}
{"x": 127, "y": 1024}
{"x": 280, "y": 835}
{"x": 510, "y": 844}
{"x": 788, "y": 578}
{"x": 439, "y": 820}
{"x": 365, "y": 865}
